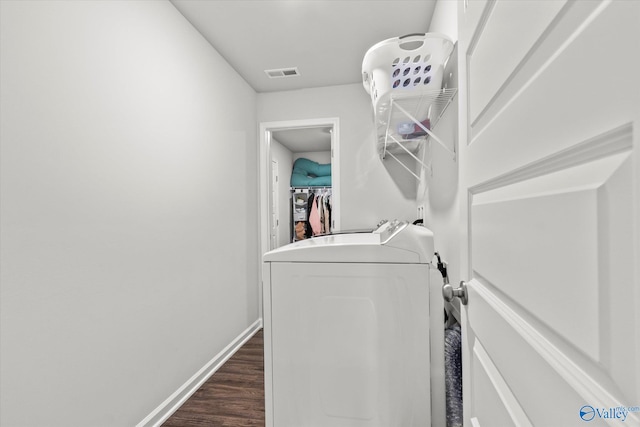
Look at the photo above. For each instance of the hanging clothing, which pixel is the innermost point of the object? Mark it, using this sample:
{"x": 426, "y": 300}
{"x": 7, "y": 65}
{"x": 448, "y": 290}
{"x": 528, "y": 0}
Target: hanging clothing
{"x": 320, "y": 202}
{"x": 309, "y": 231}
{"x": 311, "y": 212}
{"x": 326, "y": 215}
{"x": 314, "y": 218}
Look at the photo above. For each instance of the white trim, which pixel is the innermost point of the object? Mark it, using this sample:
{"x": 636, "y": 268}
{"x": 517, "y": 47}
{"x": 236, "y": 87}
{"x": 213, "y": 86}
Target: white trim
{"x": 268, "y": 359}
{"x": 173, "y": 402}
{"x": 613, "y": 141}
{"x": 275, "y": 193}
{"x": 509, "y": 401}
{"x": 577, "y": 378}
{"x": 535, "y": 47}
{"x": 552, "y": 58}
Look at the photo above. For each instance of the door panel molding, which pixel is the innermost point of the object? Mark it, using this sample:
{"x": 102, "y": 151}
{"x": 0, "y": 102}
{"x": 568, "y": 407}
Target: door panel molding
{"x": 509, "y": 402}
{"x": 542, "y": 274}
{"x": 482, "y": 23}
{"x": 569, "y": 28}
{"x": 496, "y": 322}
{"x": 534, "y": 22}
{"x": 580, "y": 194}
{"x": 608, "y": 143}
{"x": 550, "y": 197}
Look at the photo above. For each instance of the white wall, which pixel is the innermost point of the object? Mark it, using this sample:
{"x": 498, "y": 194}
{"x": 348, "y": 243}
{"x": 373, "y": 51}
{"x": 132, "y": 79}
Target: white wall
{"x": 129, "y": 209}
{"x": 284, "y": 157}
{"x": 370, "y": 190}
{"x": 438, "y": 192}
{"x": 445, "y": 18}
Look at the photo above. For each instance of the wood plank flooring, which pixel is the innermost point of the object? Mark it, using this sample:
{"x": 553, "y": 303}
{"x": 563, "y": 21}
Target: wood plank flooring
{"x": 232, "y": 397}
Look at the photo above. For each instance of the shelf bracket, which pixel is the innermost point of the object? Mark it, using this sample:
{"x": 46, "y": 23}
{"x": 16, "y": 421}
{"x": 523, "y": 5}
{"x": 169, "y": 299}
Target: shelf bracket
{"x": 424, "y": 128}
{"x": 431, "y": 104}
{"x": 409, "y": 153}
{"x": 404, "y": 166}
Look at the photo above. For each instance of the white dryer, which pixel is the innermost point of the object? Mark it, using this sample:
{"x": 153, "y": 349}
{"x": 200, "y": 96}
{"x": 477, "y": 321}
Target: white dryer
{"x": 352, "y": 336}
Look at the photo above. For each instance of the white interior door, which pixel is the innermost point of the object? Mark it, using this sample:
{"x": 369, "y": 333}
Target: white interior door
{"x": 549, "y": 160}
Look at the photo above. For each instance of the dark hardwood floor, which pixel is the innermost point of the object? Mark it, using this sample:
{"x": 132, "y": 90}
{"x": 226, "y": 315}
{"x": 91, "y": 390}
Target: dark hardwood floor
{"x": 232, "y": 397}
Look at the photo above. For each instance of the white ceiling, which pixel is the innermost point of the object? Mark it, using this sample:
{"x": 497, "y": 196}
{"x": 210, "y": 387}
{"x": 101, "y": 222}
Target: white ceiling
{"x": 304, "y": 140}
{"x": 325, "y": 39}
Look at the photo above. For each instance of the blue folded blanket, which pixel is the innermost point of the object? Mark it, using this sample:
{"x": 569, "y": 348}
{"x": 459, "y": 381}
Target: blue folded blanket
{"x": 307, "y": 173}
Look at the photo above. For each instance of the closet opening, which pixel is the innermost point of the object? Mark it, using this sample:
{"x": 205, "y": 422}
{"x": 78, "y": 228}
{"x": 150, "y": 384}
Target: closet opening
{"x": 309, "y": 144}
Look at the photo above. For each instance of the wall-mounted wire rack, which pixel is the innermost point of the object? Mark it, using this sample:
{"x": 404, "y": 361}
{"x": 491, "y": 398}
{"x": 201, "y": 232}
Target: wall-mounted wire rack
{"x": 422, "y": 112}
{"x": 404, "y": 77}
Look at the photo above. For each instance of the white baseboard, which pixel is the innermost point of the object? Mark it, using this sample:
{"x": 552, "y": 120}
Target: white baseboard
{"x": 173, "y": 402}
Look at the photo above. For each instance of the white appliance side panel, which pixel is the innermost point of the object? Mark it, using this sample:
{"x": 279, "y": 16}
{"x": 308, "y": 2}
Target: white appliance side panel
{"x": 350, "y": 344}
{"x": 266, "y": 318}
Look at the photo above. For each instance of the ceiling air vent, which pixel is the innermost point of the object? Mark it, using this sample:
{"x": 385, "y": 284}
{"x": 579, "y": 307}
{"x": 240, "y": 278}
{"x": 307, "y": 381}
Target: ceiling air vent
{"x": 282, "y": 72}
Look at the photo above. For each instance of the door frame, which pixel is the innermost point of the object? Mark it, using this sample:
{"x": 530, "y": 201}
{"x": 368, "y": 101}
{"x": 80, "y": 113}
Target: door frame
{"x": 275, "y": 208}
{"x": 264, "y": 174}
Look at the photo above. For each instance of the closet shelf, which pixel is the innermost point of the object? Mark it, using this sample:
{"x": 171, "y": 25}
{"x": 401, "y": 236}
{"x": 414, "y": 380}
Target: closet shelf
{"x": 420, "y": 112}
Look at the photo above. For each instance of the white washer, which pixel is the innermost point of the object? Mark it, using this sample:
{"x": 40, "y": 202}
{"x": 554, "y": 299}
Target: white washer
{"x": 347, "y": 331}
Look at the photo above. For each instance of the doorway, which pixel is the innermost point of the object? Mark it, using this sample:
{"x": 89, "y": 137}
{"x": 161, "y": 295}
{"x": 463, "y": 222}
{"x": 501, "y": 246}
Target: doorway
{"x": 317, "y": 139}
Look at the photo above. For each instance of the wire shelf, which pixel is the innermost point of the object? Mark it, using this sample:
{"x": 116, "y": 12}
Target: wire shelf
{"x": 411, "y": 109}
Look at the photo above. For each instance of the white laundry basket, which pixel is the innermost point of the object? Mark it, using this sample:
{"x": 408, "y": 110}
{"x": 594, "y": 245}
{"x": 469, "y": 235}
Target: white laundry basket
{"x": 411, "y": 64}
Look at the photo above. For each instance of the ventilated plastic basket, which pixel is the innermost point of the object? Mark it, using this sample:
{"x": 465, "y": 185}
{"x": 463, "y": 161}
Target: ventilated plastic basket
{"x": 411, "y": 64}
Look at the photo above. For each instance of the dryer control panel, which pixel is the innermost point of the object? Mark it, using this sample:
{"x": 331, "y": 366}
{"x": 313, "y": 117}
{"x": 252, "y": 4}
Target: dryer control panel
{"x": 388, "y": 229}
